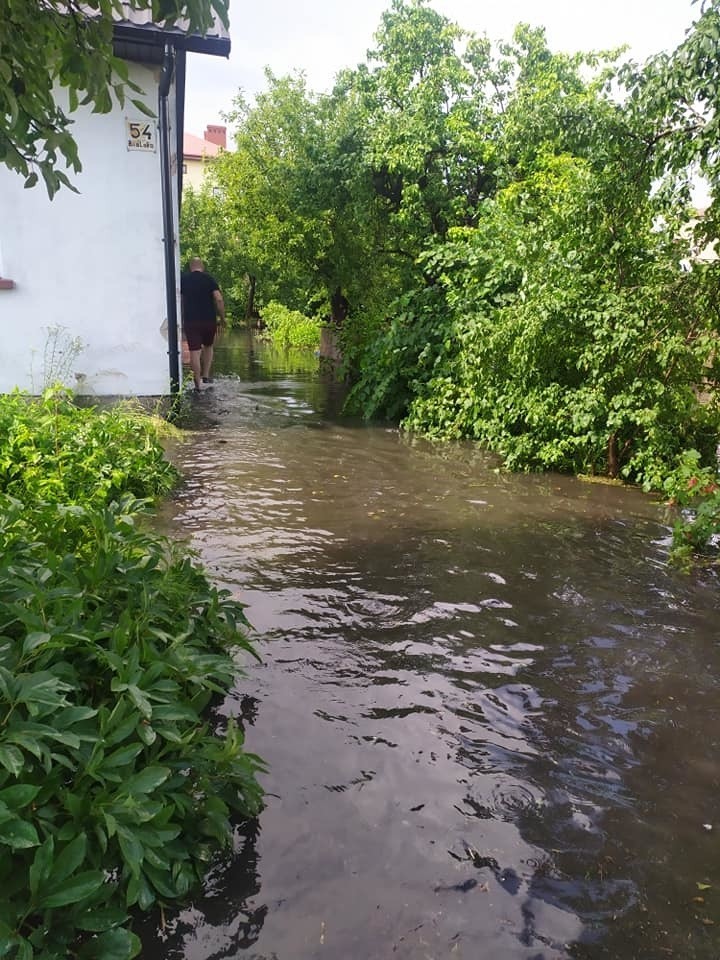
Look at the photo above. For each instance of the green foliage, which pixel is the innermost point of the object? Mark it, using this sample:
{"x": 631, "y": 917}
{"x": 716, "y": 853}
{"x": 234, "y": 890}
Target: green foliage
{"x": 557, "y": 327}
{"x": 115, "y": 791}
{"x": 677, "y": 95}
{"x": 347, "y": 191}
{"x": 299, "y": 195}
{"x": 560, "y": 333}
{"x": 290, "y": 328}
{"x": 401, "y": 357}
{"x": 267, "y": 185}
{"x": 208, "y": 230}
{"x": 52, "y": 450}
{"x": 426, "y": 98}
{"x": 694, "y": 488}
{"x": 354, "y": 338}
{"x": 51, "y": 44}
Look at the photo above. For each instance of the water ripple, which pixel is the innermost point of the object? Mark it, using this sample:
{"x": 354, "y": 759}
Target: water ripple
{"x": 487, "y": 703}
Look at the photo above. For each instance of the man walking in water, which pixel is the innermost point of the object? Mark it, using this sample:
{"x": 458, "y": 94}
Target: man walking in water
{"x": 203, "y": 309}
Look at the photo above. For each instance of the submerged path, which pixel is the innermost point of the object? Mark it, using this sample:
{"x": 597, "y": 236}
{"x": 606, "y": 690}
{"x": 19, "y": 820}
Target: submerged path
{"x": 490, "y": 709}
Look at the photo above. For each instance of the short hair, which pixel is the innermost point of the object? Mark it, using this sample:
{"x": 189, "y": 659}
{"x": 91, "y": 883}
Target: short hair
{"x": 197, "y": 264}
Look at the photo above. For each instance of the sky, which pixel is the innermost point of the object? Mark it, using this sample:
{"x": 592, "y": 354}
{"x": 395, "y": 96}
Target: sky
{"x": 320, "y": 37}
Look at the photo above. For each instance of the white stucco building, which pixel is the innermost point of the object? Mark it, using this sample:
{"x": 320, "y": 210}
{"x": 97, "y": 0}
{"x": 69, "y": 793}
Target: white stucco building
{"x": 89, "y": 282}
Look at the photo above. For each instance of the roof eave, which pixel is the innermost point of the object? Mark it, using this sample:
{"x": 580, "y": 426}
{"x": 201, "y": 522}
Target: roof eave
{"x": 154, "y": 37}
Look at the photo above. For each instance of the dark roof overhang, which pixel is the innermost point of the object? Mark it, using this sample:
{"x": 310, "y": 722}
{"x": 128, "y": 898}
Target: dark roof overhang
{"x": 145, "y": 41}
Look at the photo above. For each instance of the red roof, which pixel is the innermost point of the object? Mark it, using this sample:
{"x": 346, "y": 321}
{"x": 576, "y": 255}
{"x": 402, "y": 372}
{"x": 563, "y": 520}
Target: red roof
{"x": 196, "y": 148}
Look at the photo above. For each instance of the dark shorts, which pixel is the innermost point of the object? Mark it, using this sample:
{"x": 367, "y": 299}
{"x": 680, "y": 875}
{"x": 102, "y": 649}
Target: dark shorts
{"x": 200, "y": 334}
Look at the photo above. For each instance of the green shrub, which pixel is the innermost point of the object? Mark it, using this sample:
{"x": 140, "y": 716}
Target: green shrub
{"x": 290, "y": 328}
{"x": 560, "y": 333}
{"x": 115, "y": 788}
{"x": 696, "y": 491}
{"x": 50, "y": 449}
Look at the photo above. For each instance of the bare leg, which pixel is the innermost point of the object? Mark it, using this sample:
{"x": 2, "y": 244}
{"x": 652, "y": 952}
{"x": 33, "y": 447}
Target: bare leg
{"x": 195, "y": 367}
{"x": 207, "y": 359}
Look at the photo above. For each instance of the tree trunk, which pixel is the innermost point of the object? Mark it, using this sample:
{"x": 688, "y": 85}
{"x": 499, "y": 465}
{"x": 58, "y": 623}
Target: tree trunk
{"x": 612, "y": 456}
{"x": 250, "y": 313}
{"x": 339, "y": 307}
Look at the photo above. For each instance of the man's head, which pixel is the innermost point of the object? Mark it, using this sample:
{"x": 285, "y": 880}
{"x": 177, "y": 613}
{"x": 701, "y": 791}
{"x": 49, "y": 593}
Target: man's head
{"x": 196, "y": 264}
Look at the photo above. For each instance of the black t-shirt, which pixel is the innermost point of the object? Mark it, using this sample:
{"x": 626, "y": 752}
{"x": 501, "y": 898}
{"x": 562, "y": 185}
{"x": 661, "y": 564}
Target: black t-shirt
{"x": 197, "y": 290}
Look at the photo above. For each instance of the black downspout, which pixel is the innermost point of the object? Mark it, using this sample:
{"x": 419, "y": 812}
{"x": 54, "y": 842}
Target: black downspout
{"x": 168, "y": 66}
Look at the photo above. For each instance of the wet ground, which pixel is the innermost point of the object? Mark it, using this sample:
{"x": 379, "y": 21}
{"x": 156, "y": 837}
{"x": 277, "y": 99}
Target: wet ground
{"x": 489, "y": 707}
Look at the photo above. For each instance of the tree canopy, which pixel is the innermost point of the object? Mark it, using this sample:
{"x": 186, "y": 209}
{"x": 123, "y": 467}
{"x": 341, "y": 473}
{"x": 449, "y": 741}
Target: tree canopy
{"x": 48, "y": 45}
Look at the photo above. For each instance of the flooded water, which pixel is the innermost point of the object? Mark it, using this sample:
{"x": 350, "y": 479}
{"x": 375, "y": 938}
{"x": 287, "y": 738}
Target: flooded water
{"x": 489, "y": 708}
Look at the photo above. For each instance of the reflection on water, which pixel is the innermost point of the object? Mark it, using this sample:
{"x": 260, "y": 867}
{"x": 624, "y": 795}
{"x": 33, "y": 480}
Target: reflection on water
{"x": 239, "y": 355}
{"x": 489, "y": 708}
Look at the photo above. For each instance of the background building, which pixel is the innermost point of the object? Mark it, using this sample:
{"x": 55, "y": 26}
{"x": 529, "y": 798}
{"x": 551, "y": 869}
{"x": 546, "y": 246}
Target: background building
{"x": 199, "y": 151}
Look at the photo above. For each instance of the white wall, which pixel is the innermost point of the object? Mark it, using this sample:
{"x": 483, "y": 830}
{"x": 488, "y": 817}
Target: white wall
{"x": 194, "y": 175}
{"x": 91, "y": 264}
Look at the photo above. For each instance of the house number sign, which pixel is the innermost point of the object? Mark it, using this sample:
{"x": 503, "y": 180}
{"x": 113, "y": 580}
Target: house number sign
{"x": 141, "y": 135}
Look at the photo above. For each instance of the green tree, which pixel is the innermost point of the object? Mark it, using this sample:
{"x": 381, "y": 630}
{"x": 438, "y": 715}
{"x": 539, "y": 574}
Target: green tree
{"x": 339, "y": 194}
{"x": 574, "y": 341}
{"x": 299, "y": 197}
{"x": 264, "y": 183}
{"x": 554, "y": 104}
{"x": 447, "y": 120}
{"x": 52, "y": 45}
{"x": 208, "y": 230}
{"x": 679, "y": 93}
{"x": 426, "y": 99}
{"x": 559, "y": 328}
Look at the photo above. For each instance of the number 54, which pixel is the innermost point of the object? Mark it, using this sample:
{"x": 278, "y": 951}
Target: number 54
{"x": 138, "y": 130}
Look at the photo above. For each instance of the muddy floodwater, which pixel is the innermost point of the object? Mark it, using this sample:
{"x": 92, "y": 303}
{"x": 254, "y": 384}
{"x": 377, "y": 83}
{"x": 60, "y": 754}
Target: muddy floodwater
{"x": 489, "y": 708}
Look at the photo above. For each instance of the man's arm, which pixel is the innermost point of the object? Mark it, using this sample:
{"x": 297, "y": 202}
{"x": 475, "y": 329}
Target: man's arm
{"x": 219, "y": 305}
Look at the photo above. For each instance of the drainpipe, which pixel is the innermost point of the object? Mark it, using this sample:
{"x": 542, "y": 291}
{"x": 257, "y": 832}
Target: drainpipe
{"x": 168, "y": 67}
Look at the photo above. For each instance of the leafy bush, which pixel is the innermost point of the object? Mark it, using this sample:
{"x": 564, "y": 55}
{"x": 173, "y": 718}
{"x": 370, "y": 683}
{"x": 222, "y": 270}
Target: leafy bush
{"x": 696, "y": 490}
{"x": 50, "y": 449}
{"x": 290, "y": 328}
{"x": 401, "y": 357}
{"x": 114, "y": 791}
{"x": 557, "y": 333}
